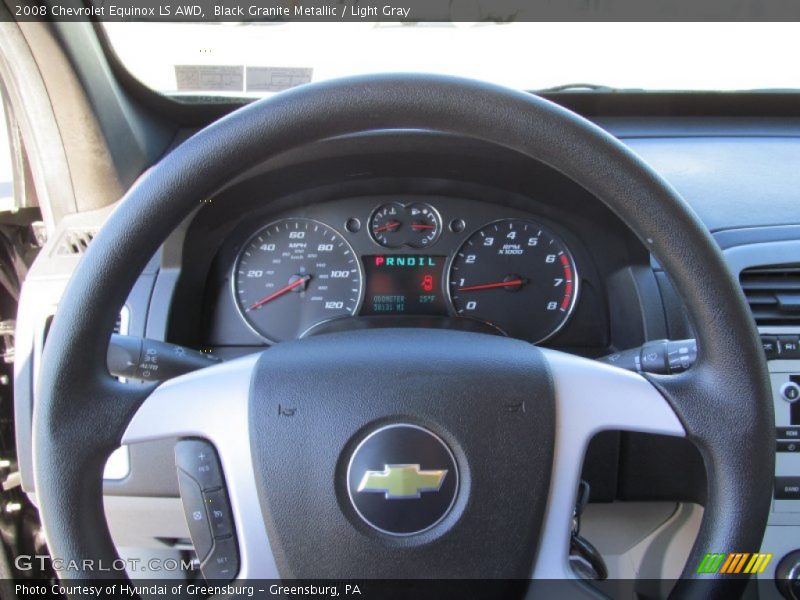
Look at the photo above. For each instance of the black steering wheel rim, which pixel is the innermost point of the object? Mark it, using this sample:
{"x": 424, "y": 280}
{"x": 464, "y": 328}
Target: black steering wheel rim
{"x": 724, "y": 401}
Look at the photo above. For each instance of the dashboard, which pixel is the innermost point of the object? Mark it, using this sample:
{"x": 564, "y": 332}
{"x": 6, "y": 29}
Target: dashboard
{"x": 407, "y": 229}
{"x": 394, "y": 231}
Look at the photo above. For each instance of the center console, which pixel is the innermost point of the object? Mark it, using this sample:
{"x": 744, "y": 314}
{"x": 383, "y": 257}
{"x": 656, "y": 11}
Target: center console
{"x": 783, "y": 533}
{"x": 770, "y": 277}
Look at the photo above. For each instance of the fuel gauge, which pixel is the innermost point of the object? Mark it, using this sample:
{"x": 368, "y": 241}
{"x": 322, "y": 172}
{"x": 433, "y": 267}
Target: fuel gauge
{"x": 416, "y": 225}
{"x": 425, "y": 225}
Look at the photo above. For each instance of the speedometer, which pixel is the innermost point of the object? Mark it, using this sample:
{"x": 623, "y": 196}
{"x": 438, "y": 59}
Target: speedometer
{"x": 294, "y": 274}
{"x": 517, "y": 275}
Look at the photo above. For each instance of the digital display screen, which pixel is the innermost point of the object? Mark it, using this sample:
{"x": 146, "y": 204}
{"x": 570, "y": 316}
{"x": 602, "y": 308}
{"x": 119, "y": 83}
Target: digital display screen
{"x": 404, "y": 285}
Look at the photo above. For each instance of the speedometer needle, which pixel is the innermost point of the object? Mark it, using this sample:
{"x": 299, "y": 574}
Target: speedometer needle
{"x": 280, "y": 292}
{"x": 488, "y": 286}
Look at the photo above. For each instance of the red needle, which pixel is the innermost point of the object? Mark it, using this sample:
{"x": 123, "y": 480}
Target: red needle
{"x": 418, "y": 226}
{"x": 280, "y": 292}
{"x": 387, "y": 227}
{"x": 487, "y": 286}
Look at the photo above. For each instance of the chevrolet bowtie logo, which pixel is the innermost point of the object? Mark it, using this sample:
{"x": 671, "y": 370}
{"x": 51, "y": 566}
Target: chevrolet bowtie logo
{"x": 402, "y": 482}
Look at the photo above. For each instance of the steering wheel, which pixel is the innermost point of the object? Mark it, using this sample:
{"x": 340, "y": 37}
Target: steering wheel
{"x": 510, "y": 420}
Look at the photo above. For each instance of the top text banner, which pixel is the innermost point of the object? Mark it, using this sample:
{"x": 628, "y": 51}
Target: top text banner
{"x": 402, "y": 10}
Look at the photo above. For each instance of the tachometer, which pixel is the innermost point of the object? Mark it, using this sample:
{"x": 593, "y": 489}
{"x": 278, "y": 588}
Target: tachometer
{"x": 294, "y": 274}
{"x": 517, "y": 275}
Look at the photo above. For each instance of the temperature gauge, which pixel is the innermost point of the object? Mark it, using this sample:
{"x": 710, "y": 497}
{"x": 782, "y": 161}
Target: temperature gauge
{"x": 396, "y": 225}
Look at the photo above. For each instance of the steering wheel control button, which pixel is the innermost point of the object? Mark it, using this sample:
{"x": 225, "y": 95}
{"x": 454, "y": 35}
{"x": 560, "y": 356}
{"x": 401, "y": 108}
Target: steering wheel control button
{"x": 790, "y": 391}
{"x": 199, "y": 460}
{"x": 196, "y": 516}
{"x": 787, "y": 488}
{"x": 402, "y": 479}
{"x": 219, "y": 512}
{"x": 207, "y": 510}
{"x": 789, "y": 346}
{"x": 223, "y": 562}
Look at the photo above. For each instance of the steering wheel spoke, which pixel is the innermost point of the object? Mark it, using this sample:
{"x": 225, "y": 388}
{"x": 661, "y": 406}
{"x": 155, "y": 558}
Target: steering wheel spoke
{"x": 590, "y": 397}
{"x": 212, "y": 404}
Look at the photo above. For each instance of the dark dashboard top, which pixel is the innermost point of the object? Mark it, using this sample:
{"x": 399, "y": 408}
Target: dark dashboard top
{"x": 735, "y": 172}
{"x": 731, "y": 182}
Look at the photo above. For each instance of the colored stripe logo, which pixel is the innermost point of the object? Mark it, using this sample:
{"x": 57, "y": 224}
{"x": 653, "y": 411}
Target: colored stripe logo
{"x": 734, "y": 563}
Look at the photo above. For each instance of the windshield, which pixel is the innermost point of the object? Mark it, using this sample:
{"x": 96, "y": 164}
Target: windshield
{"x": 258, "y": 59}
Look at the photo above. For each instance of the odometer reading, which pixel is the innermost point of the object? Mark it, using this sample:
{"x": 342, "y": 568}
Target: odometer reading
{"x": 516, "y": 275}
{"x": 294, "y": 274}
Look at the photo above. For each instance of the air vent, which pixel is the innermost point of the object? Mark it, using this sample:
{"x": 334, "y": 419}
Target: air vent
{"x": 123, "y": 319}
{"x": 773, "y": 293}
{"x": 120, "y": 325}
{"x": 75, "y": 241}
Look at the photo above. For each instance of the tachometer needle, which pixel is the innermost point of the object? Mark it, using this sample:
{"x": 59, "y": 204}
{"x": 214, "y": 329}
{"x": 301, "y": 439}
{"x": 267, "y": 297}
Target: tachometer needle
{"x": 488, "y": 286}
{"x": 388, "y": 227}
{"x": 280, "y": 292}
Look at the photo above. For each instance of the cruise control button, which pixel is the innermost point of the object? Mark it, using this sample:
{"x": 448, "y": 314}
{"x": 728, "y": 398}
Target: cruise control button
{"x": 770, "y": 345}
{"x": 195, "y": 511}
{"x": 790, "y": 391}
{"x": 199, "y": 460}
{"x": 787, "y": 488}
{"x": 219, "y": 513}
{"x": 223, "y": 563}
{"x": 787, "y": 433}
{"x": 788, "y": 446}
{"x": 789, "y": 346}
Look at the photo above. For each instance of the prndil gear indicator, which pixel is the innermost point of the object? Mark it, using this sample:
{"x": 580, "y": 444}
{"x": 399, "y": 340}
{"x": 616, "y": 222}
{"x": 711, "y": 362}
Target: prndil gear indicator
{"x": 404, "y": 285}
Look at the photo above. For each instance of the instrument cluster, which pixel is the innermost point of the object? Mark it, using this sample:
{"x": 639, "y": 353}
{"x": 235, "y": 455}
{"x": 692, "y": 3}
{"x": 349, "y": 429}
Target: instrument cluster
{"x": 401, "y": 258}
